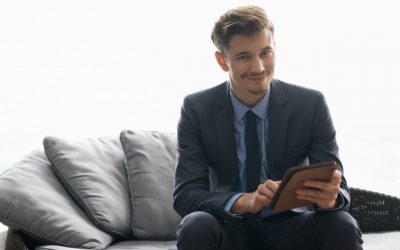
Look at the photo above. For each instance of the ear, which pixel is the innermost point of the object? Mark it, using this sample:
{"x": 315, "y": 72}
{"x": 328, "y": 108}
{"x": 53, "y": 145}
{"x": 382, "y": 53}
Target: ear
{"x": 221, "y": 61}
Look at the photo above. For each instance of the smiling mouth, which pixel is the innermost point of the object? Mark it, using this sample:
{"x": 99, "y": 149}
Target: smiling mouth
{"x": 256, "y": 78}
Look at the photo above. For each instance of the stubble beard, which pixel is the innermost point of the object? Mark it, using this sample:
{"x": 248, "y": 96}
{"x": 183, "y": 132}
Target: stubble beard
{"x": 258, "y": 92}
{"x": 263, "y": 89}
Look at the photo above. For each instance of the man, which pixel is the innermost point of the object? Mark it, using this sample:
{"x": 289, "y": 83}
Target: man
{"x": 237, "y": 139}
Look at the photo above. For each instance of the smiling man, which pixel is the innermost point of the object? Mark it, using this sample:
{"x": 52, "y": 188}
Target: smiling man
{"x": 237, "y": 139}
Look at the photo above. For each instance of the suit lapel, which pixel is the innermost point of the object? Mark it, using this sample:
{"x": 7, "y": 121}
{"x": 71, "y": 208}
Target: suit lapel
{"x": 277, "y": 132}
{"x": 226, "y": 136}
{"x": 277, "y": 128}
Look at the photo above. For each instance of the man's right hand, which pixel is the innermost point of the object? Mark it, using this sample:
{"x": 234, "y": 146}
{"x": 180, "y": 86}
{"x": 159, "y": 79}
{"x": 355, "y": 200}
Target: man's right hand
{"x": 254, "y": 202}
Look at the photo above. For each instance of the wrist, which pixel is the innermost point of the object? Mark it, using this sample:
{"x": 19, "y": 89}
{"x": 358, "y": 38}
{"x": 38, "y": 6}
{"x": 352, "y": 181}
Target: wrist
{"x": 241, "y": 205}
{"x": 333, "y": 205}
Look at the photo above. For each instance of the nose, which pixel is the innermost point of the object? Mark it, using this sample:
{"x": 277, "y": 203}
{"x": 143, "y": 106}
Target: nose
{"x": 257, "y": 66}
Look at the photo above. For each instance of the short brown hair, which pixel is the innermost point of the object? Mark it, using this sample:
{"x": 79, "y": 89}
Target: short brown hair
{"x": 246, "y": 20}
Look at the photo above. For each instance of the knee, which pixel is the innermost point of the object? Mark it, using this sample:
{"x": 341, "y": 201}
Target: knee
{"x": 197, "y": 225}
{"x": 339, "y": 223}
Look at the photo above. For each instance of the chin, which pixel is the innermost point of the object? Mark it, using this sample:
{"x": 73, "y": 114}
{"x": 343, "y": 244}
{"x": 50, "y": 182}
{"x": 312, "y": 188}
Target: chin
{"x": 258, "y": 91}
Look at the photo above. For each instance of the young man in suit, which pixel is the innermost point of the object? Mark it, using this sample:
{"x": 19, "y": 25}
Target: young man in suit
{"x": 237, "y": 139}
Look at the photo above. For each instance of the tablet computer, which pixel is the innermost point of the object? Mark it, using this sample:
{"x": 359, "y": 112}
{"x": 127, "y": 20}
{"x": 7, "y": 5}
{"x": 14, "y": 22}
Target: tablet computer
{"x": 285, "y": 197}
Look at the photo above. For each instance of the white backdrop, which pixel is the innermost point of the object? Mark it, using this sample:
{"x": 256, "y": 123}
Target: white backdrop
{"x": 81, "y": 69}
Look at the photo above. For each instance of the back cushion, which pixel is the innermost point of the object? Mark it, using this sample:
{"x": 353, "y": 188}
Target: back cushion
{"x": 151, "y": 171}
{"x": 93, "y": 172}
{"x": 34, "y": 201}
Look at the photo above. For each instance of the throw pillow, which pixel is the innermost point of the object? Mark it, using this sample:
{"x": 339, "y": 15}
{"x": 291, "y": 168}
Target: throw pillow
{"x": 33, "y": 200}
{"x": 93, "y": 172}
{"x": 151, "y": 169}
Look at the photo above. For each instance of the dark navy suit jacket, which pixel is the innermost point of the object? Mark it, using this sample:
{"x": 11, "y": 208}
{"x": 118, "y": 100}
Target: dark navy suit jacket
{"x": 300, "y": 132}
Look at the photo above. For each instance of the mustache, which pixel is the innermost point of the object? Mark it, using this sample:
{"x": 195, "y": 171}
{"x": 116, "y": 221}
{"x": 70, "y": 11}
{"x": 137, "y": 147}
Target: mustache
{"x": 263, "y": 73}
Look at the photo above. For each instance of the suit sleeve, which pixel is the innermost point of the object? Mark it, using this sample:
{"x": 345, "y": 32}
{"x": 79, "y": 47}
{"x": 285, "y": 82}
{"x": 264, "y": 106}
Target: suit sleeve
{"x": 192, "y": 184}
{"x": 324, "y": 147}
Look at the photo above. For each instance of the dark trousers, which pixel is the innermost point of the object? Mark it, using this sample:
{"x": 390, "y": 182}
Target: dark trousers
{"x": 320, "y": 230}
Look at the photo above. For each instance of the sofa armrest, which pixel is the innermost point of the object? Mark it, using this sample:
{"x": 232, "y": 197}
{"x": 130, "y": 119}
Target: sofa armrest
{"x": 375, "y": 212}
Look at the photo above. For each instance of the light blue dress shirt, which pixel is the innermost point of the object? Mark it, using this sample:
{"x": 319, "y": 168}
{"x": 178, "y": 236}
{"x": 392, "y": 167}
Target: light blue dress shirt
{"x": 239, "y": 115}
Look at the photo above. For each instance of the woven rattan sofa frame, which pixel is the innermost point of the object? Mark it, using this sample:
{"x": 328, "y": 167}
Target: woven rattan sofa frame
{"x": 375, "y": 212}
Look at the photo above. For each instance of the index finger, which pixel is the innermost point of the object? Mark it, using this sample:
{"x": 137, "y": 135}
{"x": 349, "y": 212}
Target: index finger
{"x": 271, "y": 185}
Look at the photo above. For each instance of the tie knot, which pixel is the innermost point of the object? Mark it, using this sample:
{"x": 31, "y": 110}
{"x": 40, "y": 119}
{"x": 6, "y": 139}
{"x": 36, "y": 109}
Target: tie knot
{"x": 250, "y": 115}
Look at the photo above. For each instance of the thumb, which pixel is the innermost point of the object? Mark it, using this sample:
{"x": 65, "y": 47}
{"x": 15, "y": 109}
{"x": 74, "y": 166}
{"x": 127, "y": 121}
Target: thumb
{"x": 336, "y": 177}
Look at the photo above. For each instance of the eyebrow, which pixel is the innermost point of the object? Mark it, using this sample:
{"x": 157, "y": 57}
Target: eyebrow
{"x": 246, "y": 53}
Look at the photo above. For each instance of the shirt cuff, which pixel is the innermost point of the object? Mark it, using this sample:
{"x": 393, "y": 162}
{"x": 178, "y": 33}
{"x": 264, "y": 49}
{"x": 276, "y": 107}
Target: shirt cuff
{"x": 230, "y": 203}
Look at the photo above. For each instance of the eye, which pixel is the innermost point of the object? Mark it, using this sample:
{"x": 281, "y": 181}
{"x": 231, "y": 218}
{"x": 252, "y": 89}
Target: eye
{"x": 267, "y": 52}
{"x": 243, "y": 57}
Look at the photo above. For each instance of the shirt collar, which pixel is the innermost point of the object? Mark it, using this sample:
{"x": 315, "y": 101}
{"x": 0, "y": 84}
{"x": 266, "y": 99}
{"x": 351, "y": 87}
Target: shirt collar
{"x": 260, "y": 109}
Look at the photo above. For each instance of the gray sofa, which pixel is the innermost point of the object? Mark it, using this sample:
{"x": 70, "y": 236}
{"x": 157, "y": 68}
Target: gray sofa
{"x": 116, "y": 193}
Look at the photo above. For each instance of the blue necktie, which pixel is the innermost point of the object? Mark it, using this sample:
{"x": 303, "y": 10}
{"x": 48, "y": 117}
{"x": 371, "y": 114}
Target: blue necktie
{"x": 253, "y": 161}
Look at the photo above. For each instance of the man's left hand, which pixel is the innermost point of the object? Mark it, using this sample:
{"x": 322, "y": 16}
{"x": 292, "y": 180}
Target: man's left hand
{"x": 324, "y": 194}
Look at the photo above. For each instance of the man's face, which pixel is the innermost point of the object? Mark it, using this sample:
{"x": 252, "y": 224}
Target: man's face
{"x": 250, "y": 61}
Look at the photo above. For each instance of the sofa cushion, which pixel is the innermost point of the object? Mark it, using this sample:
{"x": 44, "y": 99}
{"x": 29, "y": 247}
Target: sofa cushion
{"x": 3, "y": 238}
{"x": 93, "y": 172}
{"x": 143, "y": 245}
{"x": 151, "y": 167}
{"x": 125, "y": 245}
{"x": 33, "y": 201}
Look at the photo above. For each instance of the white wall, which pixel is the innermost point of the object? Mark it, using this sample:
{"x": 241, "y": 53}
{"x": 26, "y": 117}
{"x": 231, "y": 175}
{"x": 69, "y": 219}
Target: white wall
{"x": 92, "y": 68}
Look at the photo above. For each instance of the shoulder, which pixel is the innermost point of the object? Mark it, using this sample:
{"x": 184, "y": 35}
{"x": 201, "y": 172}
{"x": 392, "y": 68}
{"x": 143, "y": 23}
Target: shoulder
{"x": 294, "y": 90}
{"x": 209, "y": 97}
{"x": 294, "y": 95}
{"x": 200, "y": 109}
{"x": 210, "y": 93}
